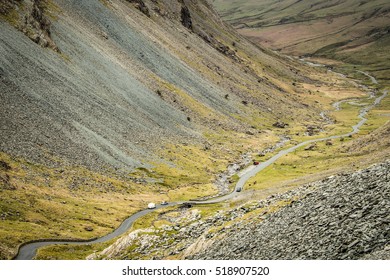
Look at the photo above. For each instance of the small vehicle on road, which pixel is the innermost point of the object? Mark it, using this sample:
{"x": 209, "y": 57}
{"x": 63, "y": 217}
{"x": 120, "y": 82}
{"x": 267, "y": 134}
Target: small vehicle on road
{"x": 151, "y": 205}
{"x": 256, "y": 163}
{"x": 164, "y": 203}
{"x": 186, "y": 205}
{"x": 239, "y": 189}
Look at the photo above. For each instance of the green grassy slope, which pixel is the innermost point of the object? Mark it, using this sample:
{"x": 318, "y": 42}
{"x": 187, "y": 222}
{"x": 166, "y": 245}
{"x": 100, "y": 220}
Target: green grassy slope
{"x": 354, "y": 31}
{"x": 270, "y": 12}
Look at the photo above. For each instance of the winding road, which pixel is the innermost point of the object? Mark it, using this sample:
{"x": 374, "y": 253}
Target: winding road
{"x": 28, "y": 251}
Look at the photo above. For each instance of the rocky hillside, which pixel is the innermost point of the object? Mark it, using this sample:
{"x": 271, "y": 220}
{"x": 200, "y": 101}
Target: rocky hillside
{"x": 342, "y": 217}
{"x": 125, "y": 76}
{"x": 106, "y": 105}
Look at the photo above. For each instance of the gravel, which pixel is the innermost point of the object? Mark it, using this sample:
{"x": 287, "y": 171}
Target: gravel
{"x": 95, "y": 103}
{"x": 342, "y": 217}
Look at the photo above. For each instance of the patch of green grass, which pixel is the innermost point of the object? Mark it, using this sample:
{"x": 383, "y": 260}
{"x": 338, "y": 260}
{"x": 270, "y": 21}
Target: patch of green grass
{"x": 192, "y": 174}
{"x": 70, "y": 252}
{"x": 301, "y": 163}
{"x": 51, "y": 9}
{"x": 377, "y": 117}
{"x": 208, "y": 210}
{"x": 145, "y": 221}
{"x": 11, "y": 16}
{"x": 40, "y": 202}
{"x": 374, "y": 59}
{"x": 193, "y": 168}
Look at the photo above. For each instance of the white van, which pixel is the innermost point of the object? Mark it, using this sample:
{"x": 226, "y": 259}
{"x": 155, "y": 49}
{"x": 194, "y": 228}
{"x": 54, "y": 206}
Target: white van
{"x": 151, "y": 205}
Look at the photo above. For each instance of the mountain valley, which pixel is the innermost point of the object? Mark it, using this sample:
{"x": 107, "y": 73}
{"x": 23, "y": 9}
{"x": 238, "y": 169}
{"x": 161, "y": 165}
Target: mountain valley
{"x": 109, "y": 105}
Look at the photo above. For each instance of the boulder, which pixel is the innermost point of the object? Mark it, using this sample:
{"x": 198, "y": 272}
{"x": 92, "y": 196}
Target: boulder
{"x": 280, "y": 124}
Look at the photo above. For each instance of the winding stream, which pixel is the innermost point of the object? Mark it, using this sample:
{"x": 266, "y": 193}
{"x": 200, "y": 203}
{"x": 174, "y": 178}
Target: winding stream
{"x": 28, "y": 251}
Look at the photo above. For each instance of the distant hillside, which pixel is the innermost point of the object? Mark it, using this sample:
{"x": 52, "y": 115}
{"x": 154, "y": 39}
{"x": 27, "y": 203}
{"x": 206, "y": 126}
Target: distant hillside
{"x": 354, "y": 31}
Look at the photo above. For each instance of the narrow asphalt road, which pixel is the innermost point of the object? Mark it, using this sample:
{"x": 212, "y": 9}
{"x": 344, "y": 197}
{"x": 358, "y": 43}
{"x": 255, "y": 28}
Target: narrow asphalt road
{"x": 28, "y": 251}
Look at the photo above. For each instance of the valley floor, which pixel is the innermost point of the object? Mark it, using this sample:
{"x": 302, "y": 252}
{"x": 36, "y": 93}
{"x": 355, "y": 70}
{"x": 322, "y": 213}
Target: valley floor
{"x": 179, "y": 232}
{"x": 116, "y": 106}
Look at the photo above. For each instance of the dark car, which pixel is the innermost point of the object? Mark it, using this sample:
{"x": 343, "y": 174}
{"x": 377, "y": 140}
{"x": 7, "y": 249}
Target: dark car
{"x": 256, "y": 163}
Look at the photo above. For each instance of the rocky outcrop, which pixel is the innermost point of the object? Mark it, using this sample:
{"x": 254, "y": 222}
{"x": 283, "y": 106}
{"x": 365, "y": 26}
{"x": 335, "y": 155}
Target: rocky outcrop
{"x": 140, "y": 5}
{"x": 343, "y": 217}
{"x": 280, "y": 124}
{"x": 4, "y": 166}
{"x": 313, "y": 130}
{"x": 224, "y": 179}
{"x": 311, "y": 147}
{"x": 29, "y": 17}
{"x": 8, "y": 5}
{"x": 156, "y": 243}
{"x": 5, "y": 183}
{"x": 186, "y": 17}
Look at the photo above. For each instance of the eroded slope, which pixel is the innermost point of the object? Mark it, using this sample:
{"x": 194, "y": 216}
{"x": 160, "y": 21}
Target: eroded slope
{"x": 122, "y": 81}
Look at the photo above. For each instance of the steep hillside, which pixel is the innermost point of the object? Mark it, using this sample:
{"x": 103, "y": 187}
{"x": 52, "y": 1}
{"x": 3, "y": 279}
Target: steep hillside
{"x": 354, "y": 31}
{"x": 91, "y": 91}
{"x": 108, "y": 105}
{"x": 122, "y": 81}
